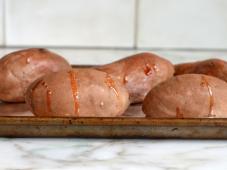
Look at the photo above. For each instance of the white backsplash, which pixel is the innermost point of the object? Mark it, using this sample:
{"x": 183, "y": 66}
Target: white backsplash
{"x": 115, "y": 23}
{"x": 183, "y": 23}
{"x": 1, "y": 23}
{"x": 70, "y": 22}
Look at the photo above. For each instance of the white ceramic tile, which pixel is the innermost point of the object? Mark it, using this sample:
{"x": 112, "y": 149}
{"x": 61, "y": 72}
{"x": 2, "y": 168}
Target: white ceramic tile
{"x": 70, "y": 22}
{"x": 183, "y": 23}
{"x": 1, "y": 22}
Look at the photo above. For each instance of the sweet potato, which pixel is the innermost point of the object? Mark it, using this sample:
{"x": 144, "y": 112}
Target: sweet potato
{"x": 212, "y": 67}
{"x": 19, "y": 69}
{"x": 77, "y": 93}
{"x": 140, "y": 73}
{"x": 187, "y": 96}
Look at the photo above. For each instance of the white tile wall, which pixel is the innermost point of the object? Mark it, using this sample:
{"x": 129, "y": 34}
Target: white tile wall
{"x": 1, "y": 22}
{"x": 183, "y": 23}
{"x": 70, "y": 22}
{"x": 111, "y": 23}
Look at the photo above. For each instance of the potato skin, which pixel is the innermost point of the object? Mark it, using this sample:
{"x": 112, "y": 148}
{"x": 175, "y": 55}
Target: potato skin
{"x": 187, "y": 96}
{"x": 140, "y": 73}
{"x": 19, "y": 69}
{"x": 77, "y": 93}
{"x": 212, "y": 67}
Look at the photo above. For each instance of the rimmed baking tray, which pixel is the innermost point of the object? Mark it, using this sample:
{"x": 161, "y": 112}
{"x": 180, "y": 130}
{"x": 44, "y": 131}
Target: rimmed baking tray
{"x": 20, "y": 122}
{"x": 17, "y": 121}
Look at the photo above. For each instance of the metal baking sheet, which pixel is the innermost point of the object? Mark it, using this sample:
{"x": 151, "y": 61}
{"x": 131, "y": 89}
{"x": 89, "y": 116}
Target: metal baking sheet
{"x": 17, "y": 121}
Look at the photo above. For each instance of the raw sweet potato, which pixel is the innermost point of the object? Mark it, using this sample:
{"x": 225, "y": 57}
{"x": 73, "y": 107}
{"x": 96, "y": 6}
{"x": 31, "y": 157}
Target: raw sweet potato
{"x": 19, "y": 69}
{"x": 188, "y": 96}
{"x": 140, "y": 73}
{"x": 77, "y": 93}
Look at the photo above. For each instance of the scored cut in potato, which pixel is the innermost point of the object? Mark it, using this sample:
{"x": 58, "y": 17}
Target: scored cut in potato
{"x": 19, "y": 69}
{"x": 77, "y": 93}
{"x": 140, "y": 73}
{"x": 187, "y": 96}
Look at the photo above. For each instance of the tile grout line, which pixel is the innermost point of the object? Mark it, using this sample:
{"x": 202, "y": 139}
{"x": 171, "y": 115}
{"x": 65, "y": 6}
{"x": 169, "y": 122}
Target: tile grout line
{"x": 136, "y": 29}
{"x": 122, "y": 48}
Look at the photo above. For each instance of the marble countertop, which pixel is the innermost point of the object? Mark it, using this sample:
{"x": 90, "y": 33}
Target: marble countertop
{"x": 101, "y": 154}
{"x": 114, "y": 154}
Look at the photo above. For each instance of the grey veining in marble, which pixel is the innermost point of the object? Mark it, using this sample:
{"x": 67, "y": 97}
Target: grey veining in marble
{"x": 101, "y": 154}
